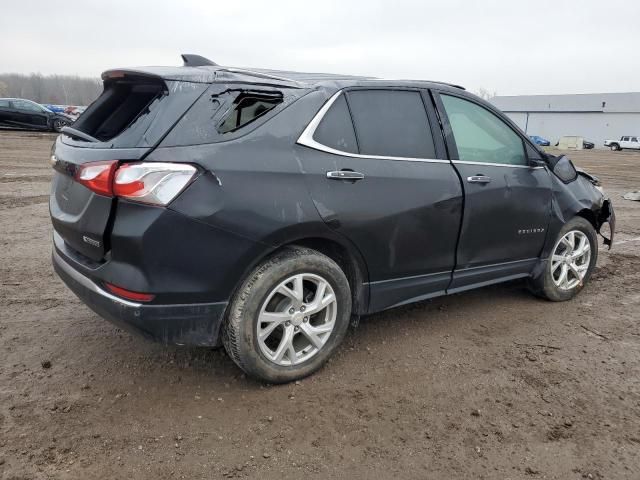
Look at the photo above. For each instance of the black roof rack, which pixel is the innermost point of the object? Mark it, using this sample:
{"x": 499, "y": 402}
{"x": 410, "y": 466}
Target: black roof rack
{"x": 191, "y": 60}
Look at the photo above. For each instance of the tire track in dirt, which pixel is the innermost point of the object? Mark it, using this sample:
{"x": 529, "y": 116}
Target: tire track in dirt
{"x": 25, "y": 178}
{"x": 16, "y": 202}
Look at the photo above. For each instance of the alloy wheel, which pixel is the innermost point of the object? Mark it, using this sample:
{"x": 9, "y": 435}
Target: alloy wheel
{"x": 58, "y": 125}
{"x": 296, "y": 319}
{"x": 570, "y": 260}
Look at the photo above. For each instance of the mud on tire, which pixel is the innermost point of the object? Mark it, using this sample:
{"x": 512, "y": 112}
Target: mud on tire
{"x": 546, "y": 284}
{"x": 240, "y": 330}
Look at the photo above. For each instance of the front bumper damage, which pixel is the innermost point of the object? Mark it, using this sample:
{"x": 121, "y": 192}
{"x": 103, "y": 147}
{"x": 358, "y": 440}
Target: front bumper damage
{"x": 606, "y": 217}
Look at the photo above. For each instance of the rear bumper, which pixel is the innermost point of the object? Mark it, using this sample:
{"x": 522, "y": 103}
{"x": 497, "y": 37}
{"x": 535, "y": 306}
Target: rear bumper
{"x": 183, "y": 324}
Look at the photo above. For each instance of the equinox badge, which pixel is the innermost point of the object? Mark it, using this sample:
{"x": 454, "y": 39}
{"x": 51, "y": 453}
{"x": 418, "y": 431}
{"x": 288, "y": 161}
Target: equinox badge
{"x": 91, "y": 241}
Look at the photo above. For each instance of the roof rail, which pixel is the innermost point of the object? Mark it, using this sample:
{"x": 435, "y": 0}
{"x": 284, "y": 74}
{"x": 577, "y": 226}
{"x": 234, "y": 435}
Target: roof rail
{"x": 450, "y": 85}
{"x": 191, "y": 60}
{"x": 258, "y": 74}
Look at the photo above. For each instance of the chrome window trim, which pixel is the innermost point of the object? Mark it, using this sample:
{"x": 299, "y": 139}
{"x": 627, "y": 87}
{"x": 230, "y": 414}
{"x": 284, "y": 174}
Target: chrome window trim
{"x": 490, "y": 164}
{"x": 306, "y": 139}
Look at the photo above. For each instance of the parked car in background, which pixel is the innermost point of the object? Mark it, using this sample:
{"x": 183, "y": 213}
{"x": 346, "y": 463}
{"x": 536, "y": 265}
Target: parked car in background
{"x": 54, "y": 108}
{"x": 263, "y": 210}
{"x": 573, "y": 142}
{"x": 629, "y": 142}
{"x": 19, "y": 113}
{"x": 72, "y": 111}
{"x": 543, "y": 142}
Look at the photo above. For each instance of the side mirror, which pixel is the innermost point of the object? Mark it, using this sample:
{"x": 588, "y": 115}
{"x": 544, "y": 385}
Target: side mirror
{"x": 537, "y": 162}
{"x": 564, "y": 169}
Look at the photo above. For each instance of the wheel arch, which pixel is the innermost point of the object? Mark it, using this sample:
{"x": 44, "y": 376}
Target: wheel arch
{"x": 590, "y": 216}
{"x": 329, "y": 243}
{"x": 349, "y": 260}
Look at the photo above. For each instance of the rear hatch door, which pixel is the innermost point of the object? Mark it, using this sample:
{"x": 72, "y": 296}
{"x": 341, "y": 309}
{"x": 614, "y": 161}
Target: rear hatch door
{"x": 133, "y": 114}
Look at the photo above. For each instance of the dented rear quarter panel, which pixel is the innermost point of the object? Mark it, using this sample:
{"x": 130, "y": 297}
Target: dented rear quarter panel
{"x": 252, "y": 187}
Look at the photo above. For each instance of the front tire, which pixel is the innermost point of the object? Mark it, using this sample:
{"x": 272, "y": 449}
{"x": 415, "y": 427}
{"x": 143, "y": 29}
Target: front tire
{"x": 288, "y": 316}
{"x": 570, "y": 264}
{"x": 58, "y": 125}
{"x": 615, "y": 147}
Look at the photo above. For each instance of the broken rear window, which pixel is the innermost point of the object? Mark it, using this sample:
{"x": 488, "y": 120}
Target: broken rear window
{"x": 247, "y": 107}
{"x": 226, "y": 112}
{"x": 121, "y": 103}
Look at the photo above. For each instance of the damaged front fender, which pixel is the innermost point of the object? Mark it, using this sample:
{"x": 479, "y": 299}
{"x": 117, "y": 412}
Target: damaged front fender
{"x": 607, "y": 217}
{"x": 577, "y": 193}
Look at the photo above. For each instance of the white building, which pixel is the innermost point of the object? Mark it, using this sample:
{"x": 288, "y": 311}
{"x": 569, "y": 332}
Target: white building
{"x": 594, "y": 116}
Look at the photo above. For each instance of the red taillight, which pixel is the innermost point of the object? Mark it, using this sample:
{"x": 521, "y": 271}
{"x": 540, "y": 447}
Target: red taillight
{"x": 128, "y": 294}
{"x": 155, "y": 183}
{"x": 98, "y": 176}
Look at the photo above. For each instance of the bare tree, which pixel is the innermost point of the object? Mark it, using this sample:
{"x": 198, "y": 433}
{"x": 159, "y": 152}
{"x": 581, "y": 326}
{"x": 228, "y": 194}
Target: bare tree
{"x": 55, "y": 89}
{"x": 485, "y": 94}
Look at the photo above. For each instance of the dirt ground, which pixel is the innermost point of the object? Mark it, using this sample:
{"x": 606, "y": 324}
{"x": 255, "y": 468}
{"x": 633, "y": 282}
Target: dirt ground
{"x": 487, "y": 384}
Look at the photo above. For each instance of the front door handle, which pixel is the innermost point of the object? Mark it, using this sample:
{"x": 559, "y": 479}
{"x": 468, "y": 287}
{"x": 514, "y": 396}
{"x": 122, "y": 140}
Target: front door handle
{"x": 478, "y": 179}
{"x": 349, "y": 175}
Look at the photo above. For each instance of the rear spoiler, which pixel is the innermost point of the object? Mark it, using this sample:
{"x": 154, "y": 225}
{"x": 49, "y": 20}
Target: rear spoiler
{"x": 198, "y": 69}
{"x": 180, "y": 74}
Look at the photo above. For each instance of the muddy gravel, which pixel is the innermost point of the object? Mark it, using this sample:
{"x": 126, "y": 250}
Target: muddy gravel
{"x": 488, "y": 384}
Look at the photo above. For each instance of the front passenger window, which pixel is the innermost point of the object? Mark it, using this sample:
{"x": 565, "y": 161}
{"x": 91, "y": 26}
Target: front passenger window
{"x": 481, "y": 136}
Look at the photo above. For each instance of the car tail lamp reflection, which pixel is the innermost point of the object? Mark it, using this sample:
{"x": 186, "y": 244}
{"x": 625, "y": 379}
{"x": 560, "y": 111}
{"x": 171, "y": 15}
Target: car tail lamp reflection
{"x": 153, "y": 183}
{"x": 128, "y": 294}
{"x": 98, "y": 176}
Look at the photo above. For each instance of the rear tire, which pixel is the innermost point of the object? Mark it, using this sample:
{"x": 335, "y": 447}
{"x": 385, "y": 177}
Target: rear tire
{"x": 570, "y": 263}
{"x": 288, "y": 316}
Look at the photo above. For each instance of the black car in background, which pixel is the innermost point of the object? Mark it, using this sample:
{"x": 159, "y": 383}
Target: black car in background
{"x": 263, "y": 210}
{"x": 19, "y": 113}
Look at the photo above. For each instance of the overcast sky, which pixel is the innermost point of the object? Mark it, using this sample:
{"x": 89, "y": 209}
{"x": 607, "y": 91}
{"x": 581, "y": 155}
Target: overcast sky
{"x": 512, "y": 47}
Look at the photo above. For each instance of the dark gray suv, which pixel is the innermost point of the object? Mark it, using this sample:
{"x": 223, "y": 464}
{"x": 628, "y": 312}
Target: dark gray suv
{"x": 263, "y": 210}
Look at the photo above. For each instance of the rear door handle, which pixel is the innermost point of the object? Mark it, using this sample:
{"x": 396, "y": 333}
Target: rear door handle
{"x": 345, "y": 175}
{"x": 479, "y": 179}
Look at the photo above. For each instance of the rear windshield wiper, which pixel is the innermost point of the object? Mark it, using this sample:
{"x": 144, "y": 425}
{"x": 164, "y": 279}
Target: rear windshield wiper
{"x": 72, "y": 132}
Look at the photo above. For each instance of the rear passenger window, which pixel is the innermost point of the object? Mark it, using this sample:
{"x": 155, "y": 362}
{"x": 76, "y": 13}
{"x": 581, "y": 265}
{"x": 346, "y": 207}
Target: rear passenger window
{"x": 481, "y": 136}
{"x": 391, "y": 123}
{"x": 336, "y": 130}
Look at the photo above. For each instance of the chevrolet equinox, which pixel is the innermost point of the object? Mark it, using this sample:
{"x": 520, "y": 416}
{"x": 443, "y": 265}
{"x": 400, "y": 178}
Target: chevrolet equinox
{"x": 263, "y": 210}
